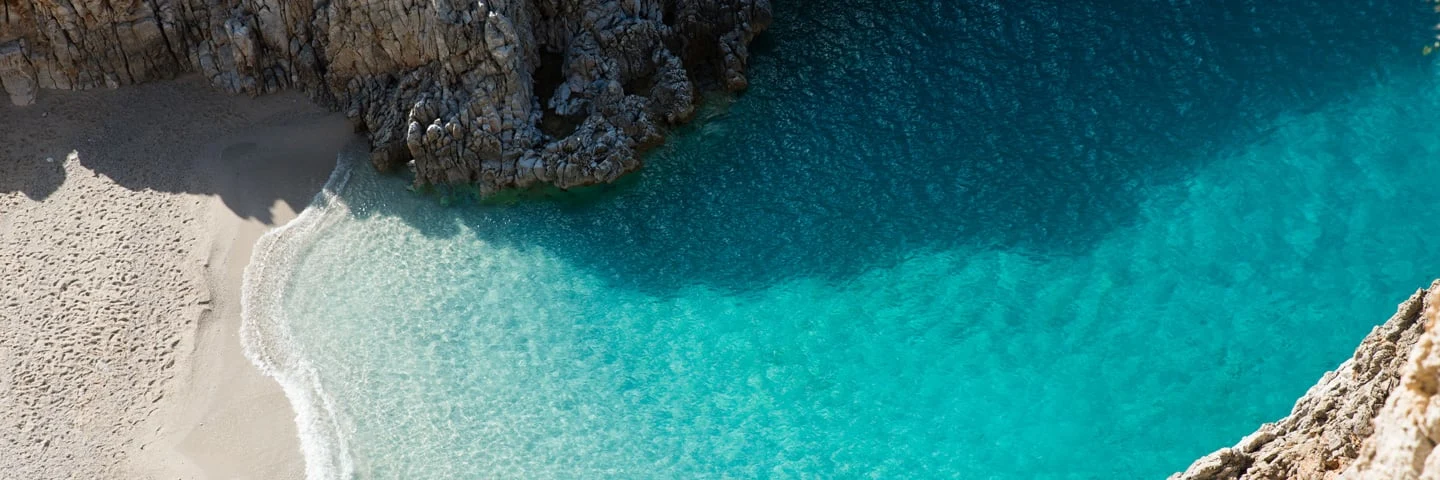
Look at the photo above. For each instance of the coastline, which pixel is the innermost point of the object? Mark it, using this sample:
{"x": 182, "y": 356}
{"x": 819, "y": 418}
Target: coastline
{"x": 230, "y": 397}
{"x": 266, "y": 341}
{"x": 130, "y": 246}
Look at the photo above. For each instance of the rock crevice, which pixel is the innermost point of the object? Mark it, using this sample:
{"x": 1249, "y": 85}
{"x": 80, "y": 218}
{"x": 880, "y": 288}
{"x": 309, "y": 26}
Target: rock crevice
{"x": 449, "y": 84}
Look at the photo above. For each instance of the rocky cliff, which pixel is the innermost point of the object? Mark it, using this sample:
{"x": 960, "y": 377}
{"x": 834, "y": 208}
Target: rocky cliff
{"x": 1375, "y": 417}
{"x": 495, "y": 93}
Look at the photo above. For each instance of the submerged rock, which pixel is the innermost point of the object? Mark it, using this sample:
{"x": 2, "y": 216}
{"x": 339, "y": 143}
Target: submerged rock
{"x": 495, "y": 93}
{"x": 1367, "y": 419}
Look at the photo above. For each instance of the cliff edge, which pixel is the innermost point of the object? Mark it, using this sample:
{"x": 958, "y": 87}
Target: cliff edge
{"x": 498, "y": 94}
{"x": 1377, "y": 416}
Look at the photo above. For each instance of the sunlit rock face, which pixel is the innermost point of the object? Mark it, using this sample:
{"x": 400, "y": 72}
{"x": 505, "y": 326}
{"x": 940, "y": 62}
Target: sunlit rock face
{"x": 497, "y": 94}
{"x": 1371, "y": 418}
{"x": 1347, "y": 425}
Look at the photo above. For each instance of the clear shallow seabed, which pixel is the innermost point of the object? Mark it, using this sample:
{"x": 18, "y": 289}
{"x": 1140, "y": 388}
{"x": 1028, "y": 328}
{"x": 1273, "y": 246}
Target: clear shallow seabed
{"x": 939, "y": 241}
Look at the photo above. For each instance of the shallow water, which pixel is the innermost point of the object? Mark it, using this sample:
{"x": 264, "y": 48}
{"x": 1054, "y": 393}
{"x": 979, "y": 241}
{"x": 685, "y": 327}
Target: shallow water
{"x": 977, "y": 241}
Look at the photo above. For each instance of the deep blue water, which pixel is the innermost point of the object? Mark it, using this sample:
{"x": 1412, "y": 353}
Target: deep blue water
{"x": 934, "y": 240}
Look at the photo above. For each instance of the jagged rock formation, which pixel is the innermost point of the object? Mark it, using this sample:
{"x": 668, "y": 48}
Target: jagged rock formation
{"x": 1408, "y": 427}
{"x": 495, "y": 93}
{"x": 1367, "y": 419}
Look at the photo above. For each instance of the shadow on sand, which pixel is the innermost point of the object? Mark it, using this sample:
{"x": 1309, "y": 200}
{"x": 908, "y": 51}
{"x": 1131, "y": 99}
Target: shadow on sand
{"x": 176, "y": 136}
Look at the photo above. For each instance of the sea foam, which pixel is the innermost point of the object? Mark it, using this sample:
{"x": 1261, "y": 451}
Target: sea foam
{"x": 266, "y": 340}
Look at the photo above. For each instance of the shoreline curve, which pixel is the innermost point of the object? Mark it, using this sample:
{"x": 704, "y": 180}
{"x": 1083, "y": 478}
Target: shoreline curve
{"x": 266, "y": 339}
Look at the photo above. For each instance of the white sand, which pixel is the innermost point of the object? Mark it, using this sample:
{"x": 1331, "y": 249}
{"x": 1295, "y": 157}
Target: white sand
{"x": 121, "y": 260}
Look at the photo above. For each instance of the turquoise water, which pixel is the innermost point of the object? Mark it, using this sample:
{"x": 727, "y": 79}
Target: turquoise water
{"x": 975, "y": 241}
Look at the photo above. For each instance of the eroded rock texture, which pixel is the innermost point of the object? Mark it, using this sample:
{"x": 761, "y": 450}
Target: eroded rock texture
{"x": 1366, "y": 419}
{"x": 1408, "y": 427}
{"x": 495, "y": 93}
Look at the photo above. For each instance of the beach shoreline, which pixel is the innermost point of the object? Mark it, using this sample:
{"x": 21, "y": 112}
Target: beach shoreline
{"x": 267, "y": 339}
{"x": 127, "y": 219}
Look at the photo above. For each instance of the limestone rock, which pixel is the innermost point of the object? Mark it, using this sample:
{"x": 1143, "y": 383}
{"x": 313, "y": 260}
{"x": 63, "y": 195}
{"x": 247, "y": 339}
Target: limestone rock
{"x": 1407, "y": 428}
{"x": 498, "y": 94}
{"x": 1376, "y": 399}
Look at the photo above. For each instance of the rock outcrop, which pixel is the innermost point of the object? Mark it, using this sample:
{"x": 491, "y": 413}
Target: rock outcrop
{"x": 498, "y": 94}
{"x": 1375, "y": 417}
{"x": 1408, "y": 427}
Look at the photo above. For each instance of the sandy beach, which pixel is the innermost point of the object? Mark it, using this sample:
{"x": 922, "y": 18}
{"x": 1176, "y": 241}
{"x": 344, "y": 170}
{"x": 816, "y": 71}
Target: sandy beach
{"x": 126, "y": 220}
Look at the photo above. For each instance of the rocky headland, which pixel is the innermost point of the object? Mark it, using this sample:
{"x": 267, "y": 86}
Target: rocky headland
{"x": 498, "y": 94}
{"x": 1377, "y": 416}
